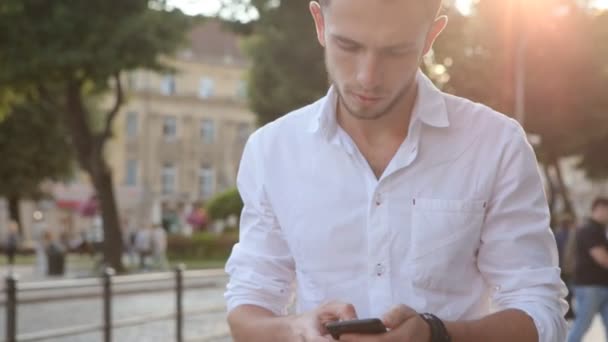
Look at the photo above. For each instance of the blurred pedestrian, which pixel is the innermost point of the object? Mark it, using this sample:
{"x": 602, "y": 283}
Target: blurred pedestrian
{"x": 565, "y": 236}
{"x": 12, "y": 242}
{"x": 143, "y": 246}
{"x": 159, "y": 243}
{"x": 591, "y": 271}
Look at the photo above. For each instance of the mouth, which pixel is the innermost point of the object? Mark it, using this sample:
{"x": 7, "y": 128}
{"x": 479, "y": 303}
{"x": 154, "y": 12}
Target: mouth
{"x": 366, "y": 99}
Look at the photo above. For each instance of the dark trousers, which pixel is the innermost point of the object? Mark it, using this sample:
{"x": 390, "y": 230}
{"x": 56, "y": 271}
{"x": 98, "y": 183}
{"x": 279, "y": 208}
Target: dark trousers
{"x": 569, "y": 297}
{"x": 10, "y": 255}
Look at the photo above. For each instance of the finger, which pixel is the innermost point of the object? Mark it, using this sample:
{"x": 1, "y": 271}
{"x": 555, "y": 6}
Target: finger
{"x": 337, "y": 311}
{"x": 397, "y": 315}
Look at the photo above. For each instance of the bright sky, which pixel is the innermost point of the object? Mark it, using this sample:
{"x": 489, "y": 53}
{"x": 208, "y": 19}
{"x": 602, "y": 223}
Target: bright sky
{"x": 211, "y": 6}
{"x": 193, "y": 7}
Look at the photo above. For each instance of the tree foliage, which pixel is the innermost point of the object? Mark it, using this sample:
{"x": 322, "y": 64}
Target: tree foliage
{"x": 287, "y": 66}
{"x": 66, "y": 50}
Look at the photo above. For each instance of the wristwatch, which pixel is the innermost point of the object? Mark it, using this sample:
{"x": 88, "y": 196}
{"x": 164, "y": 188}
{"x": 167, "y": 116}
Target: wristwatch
{"x": 438, "y": 331}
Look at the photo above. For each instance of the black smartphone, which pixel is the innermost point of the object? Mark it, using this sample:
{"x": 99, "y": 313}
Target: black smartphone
{"x": 356, "y": 326}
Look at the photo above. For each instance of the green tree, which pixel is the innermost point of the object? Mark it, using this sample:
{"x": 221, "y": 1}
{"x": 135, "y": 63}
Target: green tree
{"x": 34, "y": 148}
{"x": 83, "y": 48}
{"x": 594, "y": 160}
{"x": 287, "y": 66}
{"x": 224, "y": 205}
{"x": 563, "y": 88}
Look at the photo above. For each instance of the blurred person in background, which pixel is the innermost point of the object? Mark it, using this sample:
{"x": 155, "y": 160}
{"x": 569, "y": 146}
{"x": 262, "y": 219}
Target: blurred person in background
{"x": 12, "y": 242}
{"x": 591, "y": 271}
{"x": 159, "y": 246}
{"x": 143, "y": 246}
{"x": 565, "y": 236}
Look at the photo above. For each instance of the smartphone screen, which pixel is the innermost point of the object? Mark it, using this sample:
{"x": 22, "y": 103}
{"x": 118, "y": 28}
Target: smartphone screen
{"x": 357, "y": 326}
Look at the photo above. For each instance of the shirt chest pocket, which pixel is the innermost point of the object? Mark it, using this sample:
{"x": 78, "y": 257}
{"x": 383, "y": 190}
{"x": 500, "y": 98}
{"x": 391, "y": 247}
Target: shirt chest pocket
{"x": 445, "y": 236}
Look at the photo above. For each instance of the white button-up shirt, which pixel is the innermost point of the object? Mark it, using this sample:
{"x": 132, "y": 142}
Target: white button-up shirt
{"x": 457, "y": 225}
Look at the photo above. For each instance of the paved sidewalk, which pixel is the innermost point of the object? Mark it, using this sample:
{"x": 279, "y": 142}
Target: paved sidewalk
{"x": 28, "y": 273}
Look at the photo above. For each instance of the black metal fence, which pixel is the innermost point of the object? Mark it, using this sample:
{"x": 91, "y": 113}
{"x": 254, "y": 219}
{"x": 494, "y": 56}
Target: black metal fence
{"x": 108, "y": 279}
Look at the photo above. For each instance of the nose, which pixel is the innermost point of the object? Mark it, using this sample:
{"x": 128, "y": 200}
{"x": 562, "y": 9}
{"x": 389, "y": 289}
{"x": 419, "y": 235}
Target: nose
{"x": 368, "y": 73}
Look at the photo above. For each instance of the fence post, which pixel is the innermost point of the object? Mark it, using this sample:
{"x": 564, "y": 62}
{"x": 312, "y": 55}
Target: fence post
{"x": 11, "y": 307}
{"x": 107, "y": 304}
{"x": 179, "y": 289}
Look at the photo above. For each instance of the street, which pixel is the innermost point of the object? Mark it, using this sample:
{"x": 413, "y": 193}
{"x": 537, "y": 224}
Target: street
{"x": 39, "y": 317}
{"x": 207, "y": 327}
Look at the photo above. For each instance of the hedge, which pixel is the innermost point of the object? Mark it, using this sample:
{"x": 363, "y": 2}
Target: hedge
{"x": 224, "y": 205}
{"x": 203, "y": 245}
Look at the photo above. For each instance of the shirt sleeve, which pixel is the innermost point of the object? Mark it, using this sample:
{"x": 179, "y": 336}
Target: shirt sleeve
{"x": 518, "y": 253}
{"x": 260, "y": 267}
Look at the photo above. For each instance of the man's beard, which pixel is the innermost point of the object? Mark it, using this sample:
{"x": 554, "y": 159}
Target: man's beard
{"x": 379, "y": 113}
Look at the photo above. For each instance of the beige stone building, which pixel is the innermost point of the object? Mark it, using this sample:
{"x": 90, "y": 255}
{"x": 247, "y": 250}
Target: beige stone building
{"x": 177, "y": 141}
{"x": 180, "y": 136}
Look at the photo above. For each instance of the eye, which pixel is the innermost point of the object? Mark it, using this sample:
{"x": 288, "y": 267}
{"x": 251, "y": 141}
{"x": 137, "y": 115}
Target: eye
{"x": 347, "y": 46}
{"x": 401, "y": 52}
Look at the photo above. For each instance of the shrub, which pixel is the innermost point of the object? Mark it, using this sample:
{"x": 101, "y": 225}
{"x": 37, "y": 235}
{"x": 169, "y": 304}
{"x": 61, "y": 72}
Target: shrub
{"x": 224, "y": 205}
{"x": 203, "y": 245}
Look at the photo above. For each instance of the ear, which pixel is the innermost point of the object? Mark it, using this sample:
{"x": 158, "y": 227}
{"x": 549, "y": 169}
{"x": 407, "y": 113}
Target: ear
{"x": 317, "y": 16}
{"x": 437, "y": 27}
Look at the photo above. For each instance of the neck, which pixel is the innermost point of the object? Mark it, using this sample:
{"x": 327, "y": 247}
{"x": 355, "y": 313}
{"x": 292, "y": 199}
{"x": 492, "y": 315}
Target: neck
{"x": 391, "y": 126}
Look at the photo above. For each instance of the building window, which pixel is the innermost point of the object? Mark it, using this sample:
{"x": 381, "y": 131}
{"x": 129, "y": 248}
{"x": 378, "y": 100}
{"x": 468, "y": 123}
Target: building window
{"x": 205, "y": 88}
{"x": 132, "y": 80}
{"x": 170, "y": 127}
{"x": 131, "y": 124}
{"x": 167, "y": 86}
{"x": 168, "y": 179}
{"x": 206, "y": 183}
{"x": 208, "y": 131}
{"x": 241, "y": 90}
{"x": 131, "y": 178}
{"x": 243, "y": 132}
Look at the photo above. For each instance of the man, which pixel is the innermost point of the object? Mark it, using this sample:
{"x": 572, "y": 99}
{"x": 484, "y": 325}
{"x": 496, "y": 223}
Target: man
{"x": 12, "y": 242}
{"x": 159, "y": 246}
{"x": 591, "y": 271}
{"x": 390, "y": 199}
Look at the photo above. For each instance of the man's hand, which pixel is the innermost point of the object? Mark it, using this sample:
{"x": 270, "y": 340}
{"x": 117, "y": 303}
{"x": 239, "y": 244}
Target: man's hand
{"x": 310, "y": 326}
{"x": 404, "y": 324}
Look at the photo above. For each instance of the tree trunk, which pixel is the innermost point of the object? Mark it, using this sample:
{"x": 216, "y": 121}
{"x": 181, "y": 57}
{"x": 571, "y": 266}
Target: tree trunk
{"x": 89, "y": 150}
{"x": 550, "y": 191}
{"x": 13, "y": 211}
{"x": 113, "y": 242}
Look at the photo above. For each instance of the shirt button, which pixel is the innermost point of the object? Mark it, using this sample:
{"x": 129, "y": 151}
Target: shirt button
{"x": 378, "y": 199}
{"x": 379, "y": 270}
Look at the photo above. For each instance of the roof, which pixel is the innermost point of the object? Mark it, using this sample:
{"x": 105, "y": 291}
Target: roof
{"x": 210, "y": 42}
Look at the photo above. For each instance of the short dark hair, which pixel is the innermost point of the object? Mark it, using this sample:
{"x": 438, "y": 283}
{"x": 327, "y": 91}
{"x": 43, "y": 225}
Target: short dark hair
{"x": 433, "y": 5}
{"x": 599, "y": 202}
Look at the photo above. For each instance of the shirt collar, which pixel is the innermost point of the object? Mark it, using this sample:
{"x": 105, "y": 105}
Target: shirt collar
{"x": 429, "y": 107}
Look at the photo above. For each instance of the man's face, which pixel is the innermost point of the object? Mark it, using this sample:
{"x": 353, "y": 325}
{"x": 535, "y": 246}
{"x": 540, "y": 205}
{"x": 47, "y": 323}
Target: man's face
{"x": 373, "y": 50}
